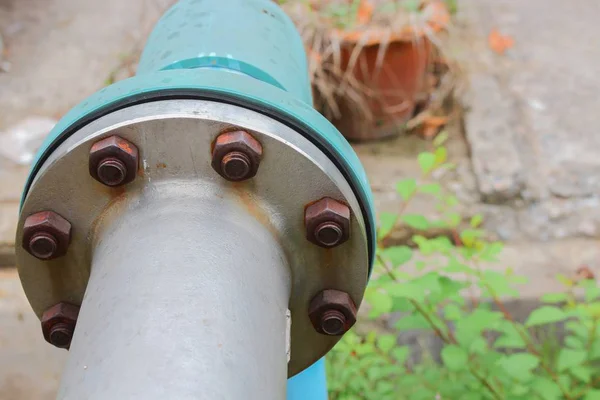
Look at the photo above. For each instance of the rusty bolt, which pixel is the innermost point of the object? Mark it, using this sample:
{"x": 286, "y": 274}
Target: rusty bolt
{"x": 58, "y": 324}
{"x": 46, "y": 235}
{"x": 236, "y": 156}
{"x": 113, "y": 161}
{"x": 327, "y": 223}
{"x": 332, "y": 312}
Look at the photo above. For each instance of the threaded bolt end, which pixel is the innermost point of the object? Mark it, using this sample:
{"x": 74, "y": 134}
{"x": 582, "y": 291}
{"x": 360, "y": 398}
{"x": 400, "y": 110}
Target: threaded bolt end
{"x": 111, "y": 171}
{"x": 61, "y": 334}
{"x": 333, "y": 322}
{"x": 329, "y": 234}
{"x": 236, "y": 166}
{"x": 43, "y": 245}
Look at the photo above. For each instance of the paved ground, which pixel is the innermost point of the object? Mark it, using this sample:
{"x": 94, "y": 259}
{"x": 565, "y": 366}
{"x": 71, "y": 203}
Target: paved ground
{"x": 533, "y": 118}
{"x": 528, "y": 162}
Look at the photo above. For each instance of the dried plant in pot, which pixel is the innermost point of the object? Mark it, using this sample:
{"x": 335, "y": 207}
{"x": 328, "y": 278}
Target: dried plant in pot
{"x": 369, "y": 59}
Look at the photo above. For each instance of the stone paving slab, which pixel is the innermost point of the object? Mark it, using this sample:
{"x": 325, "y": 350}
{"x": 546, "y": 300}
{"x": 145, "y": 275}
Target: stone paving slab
{"x": 30, "y": 368}
{"x": 532, "y": 114}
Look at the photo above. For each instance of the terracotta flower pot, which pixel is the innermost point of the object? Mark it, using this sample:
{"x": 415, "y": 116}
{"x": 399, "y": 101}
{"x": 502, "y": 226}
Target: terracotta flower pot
{"x": 393, "y": 77}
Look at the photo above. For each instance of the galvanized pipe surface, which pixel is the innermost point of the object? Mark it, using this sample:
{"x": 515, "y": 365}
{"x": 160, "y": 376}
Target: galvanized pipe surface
{"x": 187, "y": 299}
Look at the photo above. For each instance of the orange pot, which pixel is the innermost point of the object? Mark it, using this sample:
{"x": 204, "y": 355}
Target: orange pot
{"x": 391, "y": 88}
{"x": 392, "y": 82}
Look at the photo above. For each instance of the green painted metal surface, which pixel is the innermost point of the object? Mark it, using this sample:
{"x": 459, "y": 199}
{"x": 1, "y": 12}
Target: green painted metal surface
{"x": 254, "y": 37}
{"x": 243, "y": 52}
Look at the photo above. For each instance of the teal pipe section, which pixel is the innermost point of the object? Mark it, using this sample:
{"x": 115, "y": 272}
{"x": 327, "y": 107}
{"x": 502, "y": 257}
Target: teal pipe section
{"x": 254, "y": 37}
{"x": 310, "y": 384}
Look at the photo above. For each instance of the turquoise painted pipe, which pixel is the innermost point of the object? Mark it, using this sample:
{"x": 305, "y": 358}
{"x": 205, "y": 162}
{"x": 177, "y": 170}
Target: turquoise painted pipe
{"x": 192, "y": 53}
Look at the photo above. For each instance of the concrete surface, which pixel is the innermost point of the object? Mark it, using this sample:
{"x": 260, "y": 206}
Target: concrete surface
{"x": 532, "y": 115}
{"x": 29, "y": 367}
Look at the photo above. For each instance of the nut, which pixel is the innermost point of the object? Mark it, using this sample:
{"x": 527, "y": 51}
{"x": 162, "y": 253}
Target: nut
{"x": 236, "y": 156}
{"x": 113, "y": 161}
{"x": 46, "y": 235}
{"x": 58, "y": 324}
{"x": 332, "y": 312}
{"x": 327, "y": 223}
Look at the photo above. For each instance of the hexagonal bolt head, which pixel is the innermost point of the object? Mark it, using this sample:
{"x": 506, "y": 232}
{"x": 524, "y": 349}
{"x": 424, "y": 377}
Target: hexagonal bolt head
{"x": 327, "y": 223}
{"x": 236, "y": 156}
{"x": 46, "y": 235}
{"x": 113, "y": 161}
{"x": 332, "y": 312}
{"x": 58, "y": 324}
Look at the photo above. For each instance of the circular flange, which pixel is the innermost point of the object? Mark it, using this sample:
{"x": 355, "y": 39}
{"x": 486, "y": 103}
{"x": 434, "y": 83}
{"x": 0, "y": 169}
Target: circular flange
{"x": 174, "y": 138}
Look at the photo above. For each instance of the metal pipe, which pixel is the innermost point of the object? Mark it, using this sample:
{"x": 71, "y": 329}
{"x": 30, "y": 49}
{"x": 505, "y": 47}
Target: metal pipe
{"x": 187, "y": 299}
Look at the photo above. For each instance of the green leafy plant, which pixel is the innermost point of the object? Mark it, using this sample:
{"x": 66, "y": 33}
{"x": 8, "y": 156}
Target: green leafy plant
{"x": 439, "y": 289}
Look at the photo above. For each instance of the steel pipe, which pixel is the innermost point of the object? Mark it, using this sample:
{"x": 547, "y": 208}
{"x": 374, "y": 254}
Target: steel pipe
{"x": 187, "y": 299}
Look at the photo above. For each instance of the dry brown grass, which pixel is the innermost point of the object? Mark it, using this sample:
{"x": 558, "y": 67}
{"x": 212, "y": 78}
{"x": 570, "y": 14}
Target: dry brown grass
{"x": 327, "y": 26}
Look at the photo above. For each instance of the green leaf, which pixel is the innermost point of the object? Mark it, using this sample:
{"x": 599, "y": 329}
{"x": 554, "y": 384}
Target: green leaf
{"x": 577, "y": 328}
{"x": 386, "y": 343}
{"x": 478, "y": 346}
{"x": 546, "y": 388}
{"x": 510, "y": 341}
{"x": 594, "y": 353}
{"x": 584, "y": 374}
{"x": 411, "y": 5}
{"x": 569, "y": 358}
{"x": 574, "y": 342}
{"x": 416, "y": 221}
{"x": 452, "y": 312}
{"x": 519, "y": 366}
{"x": 406, "y": 188}
{"x": 400, "y": 354}
{"x": 592, "y": 395}
{"x": 453, "y": 219}
{"x": 397, "y": 255}
{"x": 452, "y": 201}
{"x": 472, "y": 326}
{"x": 441, "y": 155}
{"x": 426, "y": 162}
{"x": 592, "y": 293}
{"x": 407, "y": 290}
{"x": 476, "y": 221}
{"x": 412, "y": 322}
{"x": 441, "y": 138}
{"x": 545, "y": 315}
{"x": 497, "y": 284}
{"x": 430, "y": 188}
{"x": 564, "y": 280}
{"x": 386, "y": 224}
{"x": 381, "y": 303}
{"x": 555, "y": 297}
{"x": 455, "y": 358}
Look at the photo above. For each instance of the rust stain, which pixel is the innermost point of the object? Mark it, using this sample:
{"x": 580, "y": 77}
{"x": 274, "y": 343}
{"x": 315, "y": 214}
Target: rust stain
{"x": 254, "y": 209}
{"x": 140, "y": 170}
{"x": 161, "y": 165}
{"x": 125, "y": 146}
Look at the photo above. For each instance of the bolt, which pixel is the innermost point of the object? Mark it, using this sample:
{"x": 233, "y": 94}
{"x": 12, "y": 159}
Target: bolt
{"x": 236, "y": 156}
{"x": 58, "y": 324}
{"x": 111, "y": 171}
{"x": 46, "y": 235}
{"x": 61, "y": 334}
{"x": 332, "y": 322}
{"x": 236, "y": 165}
{"x": 43, "y": 245}
{"x": 327, "y": 222}
{"x": 332, "y": 312}
{"x": 113, "y": 161}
